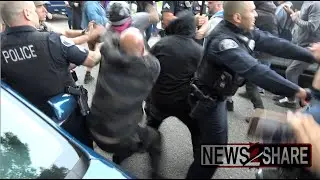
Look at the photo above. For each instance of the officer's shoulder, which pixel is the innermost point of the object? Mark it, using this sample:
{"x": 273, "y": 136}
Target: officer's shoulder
{"x": 67, "y": 42}
{"x": 227, "y": 43}
{"x": 60, "y": 39}
{"x": 223, "y": 43}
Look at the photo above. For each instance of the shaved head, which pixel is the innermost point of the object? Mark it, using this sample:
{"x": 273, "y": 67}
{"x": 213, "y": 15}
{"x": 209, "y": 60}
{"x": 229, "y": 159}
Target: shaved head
{"x": 132, "y": 41}
{"x": 232, "y": 7}
{"x": 240, "y": 13}
{"x": 18, "y": 13}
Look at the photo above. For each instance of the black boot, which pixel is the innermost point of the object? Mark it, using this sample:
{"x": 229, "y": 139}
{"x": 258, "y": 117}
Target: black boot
{"x": 230, "y": 106}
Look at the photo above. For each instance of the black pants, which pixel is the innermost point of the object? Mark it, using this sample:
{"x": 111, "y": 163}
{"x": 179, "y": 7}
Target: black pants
{"x": 146, "y": 139}
{"x": 155, "y": 116}
{"x": 211, "y": 117}
{"x": 254, "y": 95}
{"x": 76, "y": 18}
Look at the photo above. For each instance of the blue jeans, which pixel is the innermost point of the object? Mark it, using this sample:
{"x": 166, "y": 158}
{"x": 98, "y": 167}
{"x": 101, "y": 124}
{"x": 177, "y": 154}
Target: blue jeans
{"x": 151, "y": 29}
{"x": 314, "y": 109}
{"x": 211, "y": 116}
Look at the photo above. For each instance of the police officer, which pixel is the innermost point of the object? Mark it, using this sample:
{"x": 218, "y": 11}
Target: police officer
{"x": 227, "y": 62}
{"x": 171, "y": 8}
{"x": 36, "y": 63}
{"x": 196, "y": 7}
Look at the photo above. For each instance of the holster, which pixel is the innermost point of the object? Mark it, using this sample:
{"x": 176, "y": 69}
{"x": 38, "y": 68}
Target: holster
{"x": 81, "y": 95}
{"x": 200, "y": 103}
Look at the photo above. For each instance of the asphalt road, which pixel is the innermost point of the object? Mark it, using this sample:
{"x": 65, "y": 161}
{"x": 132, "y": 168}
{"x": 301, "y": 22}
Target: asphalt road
{"x": 177, "y": 147}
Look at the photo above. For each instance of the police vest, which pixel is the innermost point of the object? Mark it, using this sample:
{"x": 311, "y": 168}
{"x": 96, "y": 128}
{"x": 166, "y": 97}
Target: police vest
{"x": 217, "y": 78}
{"x": 32, "y": 67}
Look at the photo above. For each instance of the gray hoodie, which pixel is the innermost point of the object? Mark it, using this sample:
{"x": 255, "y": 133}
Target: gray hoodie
{"x": 307, "y": 27}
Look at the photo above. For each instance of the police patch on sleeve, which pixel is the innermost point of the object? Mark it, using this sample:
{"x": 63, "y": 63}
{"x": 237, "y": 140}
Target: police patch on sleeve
{"x": 66, "y": 41}
{"x": 227, "y": 44}
{"x": 166, "y": 6}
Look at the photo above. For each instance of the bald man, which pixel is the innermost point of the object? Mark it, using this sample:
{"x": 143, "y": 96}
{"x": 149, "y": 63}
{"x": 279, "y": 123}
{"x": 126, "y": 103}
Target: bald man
{"x": 227, "y": 63}
{"x": 126, "y": 77}
{"x": 132, "y": 42}
{"x": 36, "y": 63}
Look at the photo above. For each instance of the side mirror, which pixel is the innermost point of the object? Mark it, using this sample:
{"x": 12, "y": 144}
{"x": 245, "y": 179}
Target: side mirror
{"x": 63, "y": 105}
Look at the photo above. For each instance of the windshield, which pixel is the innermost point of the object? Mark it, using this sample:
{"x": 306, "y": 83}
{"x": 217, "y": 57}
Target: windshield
{"x": 29, "y": 147}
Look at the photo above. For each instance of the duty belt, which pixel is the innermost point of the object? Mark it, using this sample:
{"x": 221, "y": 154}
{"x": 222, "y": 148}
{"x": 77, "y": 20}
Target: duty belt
{"x": 198, "y": 93}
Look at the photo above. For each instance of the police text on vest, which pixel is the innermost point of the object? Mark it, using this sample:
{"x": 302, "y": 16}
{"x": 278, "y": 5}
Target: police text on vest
{"x": 19, "y": 53}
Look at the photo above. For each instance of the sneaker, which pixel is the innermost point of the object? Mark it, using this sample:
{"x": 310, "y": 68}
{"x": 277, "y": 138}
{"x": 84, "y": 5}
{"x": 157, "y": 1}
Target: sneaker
{"x": 277, "y": 97}
{"x": 88, "y": 78}
{"x": 230, "y": 106}
{"x": 285, "y": 102}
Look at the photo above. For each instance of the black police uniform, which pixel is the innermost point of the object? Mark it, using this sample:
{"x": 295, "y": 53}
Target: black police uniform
{"x": 228, "y": 58}
{"x": 196, "y": 8}
{"x": 36, "y": 65}
{"x": 175, "y": 7}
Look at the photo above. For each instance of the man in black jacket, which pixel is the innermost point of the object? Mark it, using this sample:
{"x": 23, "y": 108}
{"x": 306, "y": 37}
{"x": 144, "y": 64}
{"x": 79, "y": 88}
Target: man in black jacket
{"x": 179, "y": 57}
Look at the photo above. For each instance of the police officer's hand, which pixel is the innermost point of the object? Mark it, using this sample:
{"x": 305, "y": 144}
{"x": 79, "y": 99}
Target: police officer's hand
{"x": 315, "y": 49}
{"x": 307, "y": 130}
{"x": 200, "y": 20}
{"x": 303, "y": 96}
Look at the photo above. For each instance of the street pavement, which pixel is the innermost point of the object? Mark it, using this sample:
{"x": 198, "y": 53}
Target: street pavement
{"x": 177, "y": 149}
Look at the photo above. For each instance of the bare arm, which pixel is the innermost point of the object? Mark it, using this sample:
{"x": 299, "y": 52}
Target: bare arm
{"x": 72, "y": 33}
{"x": 201, "y": 33}
{"x": 154, "y": 17}
{"x": 93, "y": 57}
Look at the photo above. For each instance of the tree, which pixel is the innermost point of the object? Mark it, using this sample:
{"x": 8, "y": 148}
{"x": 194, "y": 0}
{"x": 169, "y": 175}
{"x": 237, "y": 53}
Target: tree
{"x": 53, "y": 173}
{"x": 16, "y": 163}
{"x": 15, "y": 158}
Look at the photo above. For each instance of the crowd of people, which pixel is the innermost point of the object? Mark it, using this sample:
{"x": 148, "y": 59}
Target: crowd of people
{"x": 206, "y": 52}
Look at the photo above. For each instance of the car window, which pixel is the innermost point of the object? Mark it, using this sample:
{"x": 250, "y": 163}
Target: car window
{"x": 29, "y": 147}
